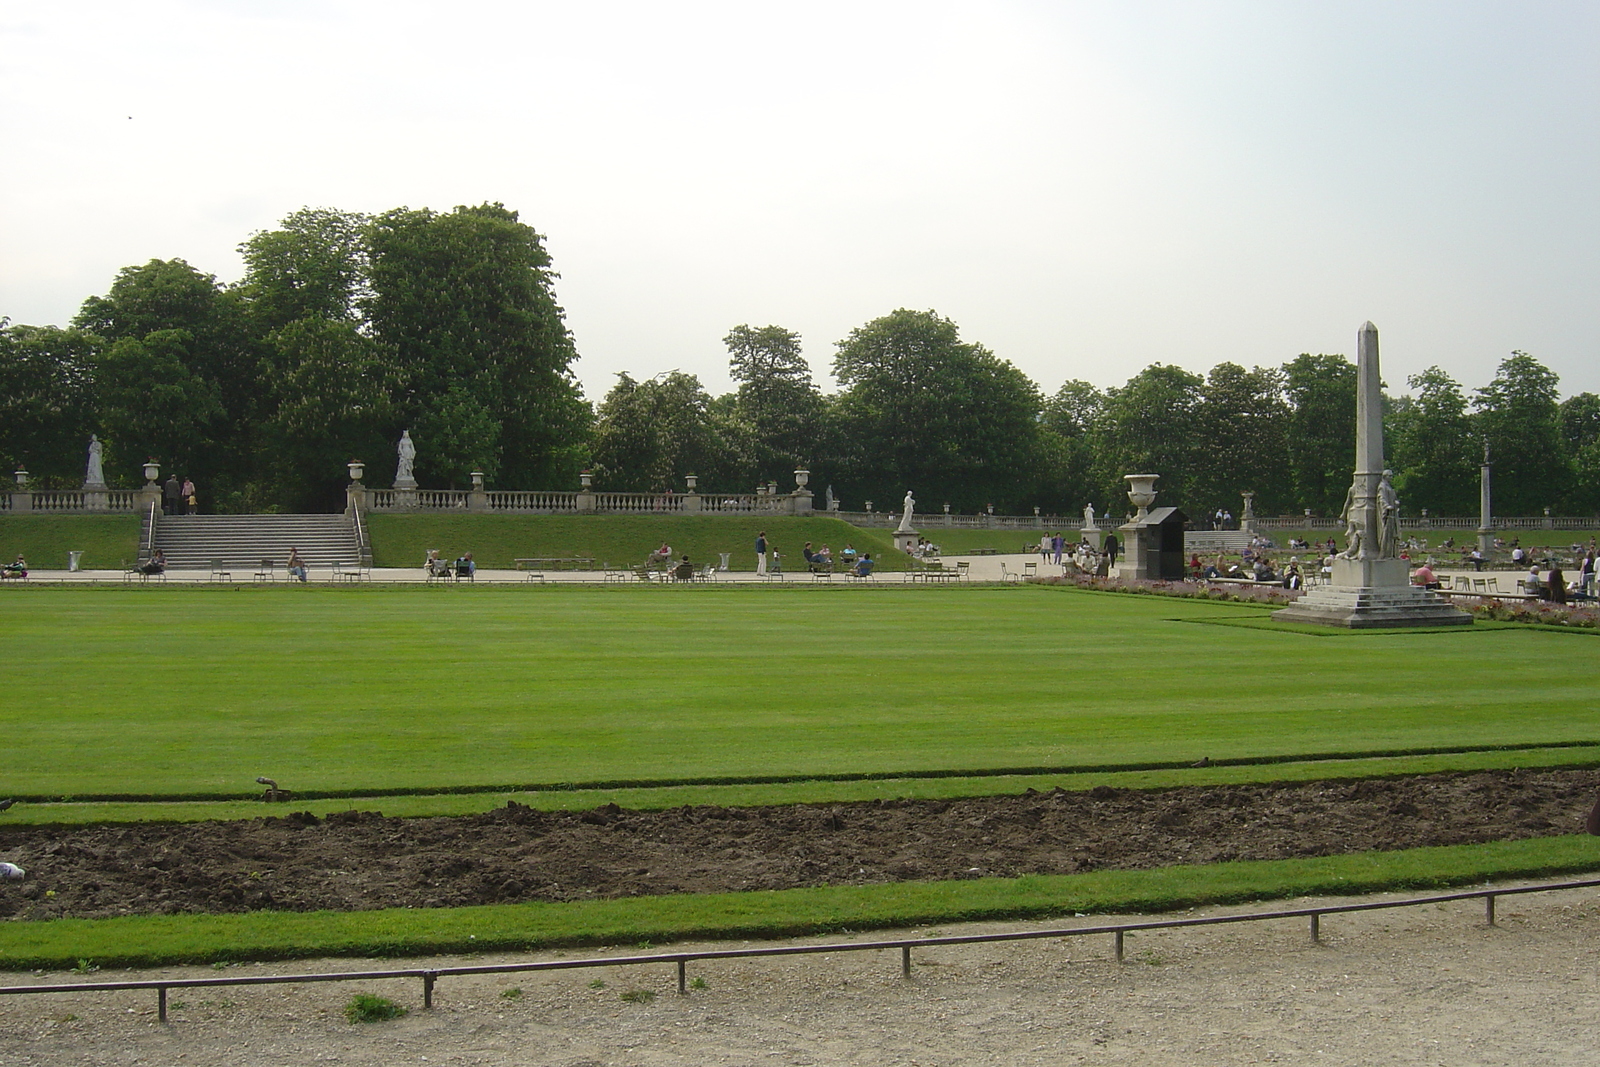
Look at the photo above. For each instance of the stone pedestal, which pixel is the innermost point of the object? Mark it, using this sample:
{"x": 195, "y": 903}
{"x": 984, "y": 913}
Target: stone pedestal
{"x": 905, "y": 538}
{"x": 1371, "y": 593}
{"x": 1135, "y": 563}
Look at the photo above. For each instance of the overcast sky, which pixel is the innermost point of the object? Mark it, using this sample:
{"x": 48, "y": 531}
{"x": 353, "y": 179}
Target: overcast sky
{"x": 1085, "y": 188}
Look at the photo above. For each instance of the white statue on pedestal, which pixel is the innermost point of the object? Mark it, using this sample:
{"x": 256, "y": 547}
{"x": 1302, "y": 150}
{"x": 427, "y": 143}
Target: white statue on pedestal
{"x": 1088, "y": 517}
{"x": 95, "y": 476}
{"x": 403, "y": 478}
{"x": 905, "y": 519}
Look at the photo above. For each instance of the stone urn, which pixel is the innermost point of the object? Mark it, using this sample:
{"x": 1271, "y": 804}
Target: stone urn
{"x": 801, "y": 477}
{"x": 693, "y": 480}
{"x": 357, "y": 469}
{"x": 1141, "y": 492}
{"x": 585, "y": 479}
{"x": 152, "y": 471}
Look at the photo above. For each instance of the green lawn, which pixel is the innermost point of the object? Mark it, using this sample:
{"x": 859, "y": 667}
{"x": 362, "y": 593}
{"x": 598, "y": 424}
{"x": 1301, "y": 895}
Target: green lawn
{"x": 175, "y": 692}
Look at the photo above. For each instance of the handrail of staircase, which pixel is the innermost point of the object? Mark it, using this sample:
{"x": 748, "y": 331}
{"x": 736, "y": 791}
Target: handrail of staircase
{"x": 147, "y": 550}
{"x": 361, "y": 536}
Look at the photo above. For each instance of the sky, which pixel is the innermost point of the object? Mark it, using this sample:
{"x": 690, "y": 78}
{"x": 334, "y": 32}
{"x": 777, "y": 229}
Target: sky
{"x": 1084, "y": 188}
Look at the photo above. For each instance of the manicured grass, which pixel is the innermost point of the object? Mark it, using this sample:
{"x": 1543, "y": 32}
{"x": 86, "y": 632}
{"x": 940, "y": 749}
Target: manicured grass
{"x": 105, "y": 540}
{"x": 172, "y": 939}
{"x": 621, "y": 540}
{"x": 182, "y": 692}
{"x": 809, "y": 791}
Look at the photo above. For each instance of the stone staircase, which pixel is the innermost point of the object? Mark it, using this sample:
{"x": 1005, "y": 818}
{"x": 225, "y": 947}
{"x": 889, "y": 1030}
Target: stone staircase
{"x": 192, "y": 542}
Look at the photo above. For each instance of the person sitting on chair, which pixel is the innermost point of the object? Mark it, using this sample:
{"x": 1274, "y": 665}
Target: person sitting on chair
{"x": 863, "y": 566}
{"x": 19, "y": 569}
{"x": 297, "y": 566}
{"x": 157, "y": 564}
{"x": 465, "y": 567}
{"x": 684, "y": 570}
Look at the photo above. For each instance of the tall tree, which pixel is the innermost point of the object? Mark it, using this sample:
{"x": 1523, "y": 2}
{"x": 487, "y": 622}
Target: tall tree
{"x": 1151, "y": 425}
{"x": 1580, "y": 426}
{"x": 46, "y": 403}
{"x": 466, "y": 300}
{"x": 650, "y": 435}
{"x": 925, "y": 411}
{"x": 1519, "y": 416}
{"x": 1244, "y": 416}
{"x": 314, "y": 266}
{"x": 1321, "y": 442}
{"x": 1431, "y": 445}
{"x": 1066, "y": 429}
{"x": 173, "y": 337}
{"x": 776, "y": 399}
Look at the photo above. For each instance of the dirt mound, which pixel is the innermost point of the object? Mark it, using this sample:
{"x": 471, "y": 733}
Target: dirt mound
{"x": 358, "y": 860}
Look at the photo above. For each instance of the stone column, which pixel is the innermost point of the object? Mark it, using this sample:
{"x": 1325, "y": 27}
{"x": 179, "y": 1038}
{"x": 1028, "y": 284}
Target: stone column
{"x": 477, "y": 498}
{"x": 586, "y": 500}
{"x": 150, "y": 492}
{"x": 800, "y": 499}
{"x": 1485, "y": 508}
{"x": 691, "y": 499}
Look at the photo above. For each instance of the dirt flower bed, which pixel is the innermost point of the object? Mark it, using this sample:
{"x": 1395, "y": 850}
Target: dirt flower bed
{"x": 361, "y": 860}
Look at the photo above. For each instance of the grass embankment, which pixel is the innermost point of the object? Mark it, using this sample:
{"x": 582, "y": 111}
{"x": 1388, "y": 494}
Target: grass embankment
{"x": 178, "y": 693}
{"x": 142, "y": 941}
{"x": 620, "y": 540}
{"x": 107, "y": 541}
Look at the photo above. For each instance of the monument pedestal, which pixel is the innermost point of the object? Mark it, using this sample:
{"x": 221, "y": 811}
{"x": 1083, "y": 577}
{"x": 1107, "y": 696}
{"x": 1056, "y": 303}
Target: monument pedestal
{"x": 1371, "y": 593}
{"x": 905, "y": 538}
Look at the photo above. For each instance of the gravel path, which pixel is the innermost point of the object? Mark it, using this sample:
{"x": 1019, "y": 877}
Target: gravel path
{"x": 1428, "y": 985}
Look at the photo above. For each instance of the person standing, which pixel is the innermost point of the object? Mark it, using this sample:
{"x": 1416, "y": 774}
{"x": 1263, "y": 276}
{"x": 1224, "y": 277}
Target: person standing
{"x": 1111, "y": 552}
{"x": 761, "y": 552}
{"x": 171, "y": 493}
{"x": 186, "y": 494}
{"x": 1057, "y": 544}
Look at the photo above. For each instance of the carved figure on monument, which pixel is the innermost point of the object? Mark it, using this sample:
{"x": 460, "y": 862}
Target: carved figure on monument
{"x": 1388, "y": 518}
{"x": 95, "y": 475}
{"x": 1352, "y": 524}
{"x": 408, "y": 454}
{"x": 1088, "y": 516}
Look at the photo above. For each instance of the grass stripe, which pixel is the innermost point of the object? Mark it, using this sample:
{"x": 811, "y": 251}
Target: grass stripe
{"x": 172, "y": 939}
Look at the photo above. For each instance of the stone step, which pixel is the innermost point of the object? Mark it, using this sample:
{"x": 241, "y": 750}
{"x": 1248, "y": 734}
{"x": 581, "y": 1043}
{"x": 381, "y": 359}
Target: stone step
{"x": 236, "y": 541}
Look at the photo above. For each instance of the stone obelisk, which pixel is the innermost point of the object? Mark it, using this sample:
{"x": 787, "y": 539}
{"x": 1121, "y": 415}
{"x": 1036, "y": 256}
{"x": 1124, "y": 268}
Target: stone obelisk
{"x": 1371, "y": 585}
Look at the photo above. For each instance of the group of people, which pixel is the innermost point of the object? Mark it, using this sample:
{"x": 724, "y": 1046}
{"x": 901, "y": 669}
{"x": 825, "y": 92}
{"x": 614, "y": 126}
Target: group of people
{"x": 178, "y": 498}
{"x": 1253, "y": 566}
{"x": 821, "y": 561}
{"x": 461, "y": 567}
{"x": 19, "y": 569}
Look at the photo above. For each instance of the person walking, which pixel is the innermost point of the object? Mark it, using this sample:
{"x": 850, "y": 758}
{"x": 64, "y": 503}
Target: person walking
{"x": 170, "y": 494}
{"x": 187, "y": 497}
{"x": 761, "y": 552}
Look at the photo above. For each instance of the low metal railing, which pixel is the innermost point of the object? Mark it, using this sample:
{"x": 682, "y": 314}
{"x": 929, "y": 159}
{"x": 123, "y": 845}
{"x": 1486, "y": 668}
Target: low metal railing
{"x": 1118, "y": 931}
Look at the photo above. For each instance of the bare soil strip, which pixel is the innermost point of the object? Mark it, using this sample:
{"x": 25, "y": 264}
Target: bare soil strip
{"x": 364, "y": 860}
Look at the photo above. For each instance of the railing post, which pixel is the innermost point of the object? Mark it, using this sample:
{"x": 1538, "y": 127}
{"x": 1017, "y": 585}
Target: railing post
{"x": 905, "y": 961}
{"x": 1488, "y": 907}
{"x": 1316, "y": 927}
{"x": 161, "y": 1003}
{"x": 427, "y": 987}
{"x": 1119, "y": 946}
{"x": 683, "y": 981}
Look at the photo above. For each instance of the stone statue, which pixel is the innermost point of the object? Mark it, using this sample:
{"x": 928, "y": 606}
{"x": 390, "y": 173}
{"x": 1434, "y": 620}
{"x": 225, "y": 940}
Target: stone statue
{"x": 408, "y": 454}
{"x": 95, "y": 475}
{"x": 1388, "y": 518}
{"x": 905, "y": 518}
{"x": 1088, "y": 517}
{"x": 1352, "y": 525}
